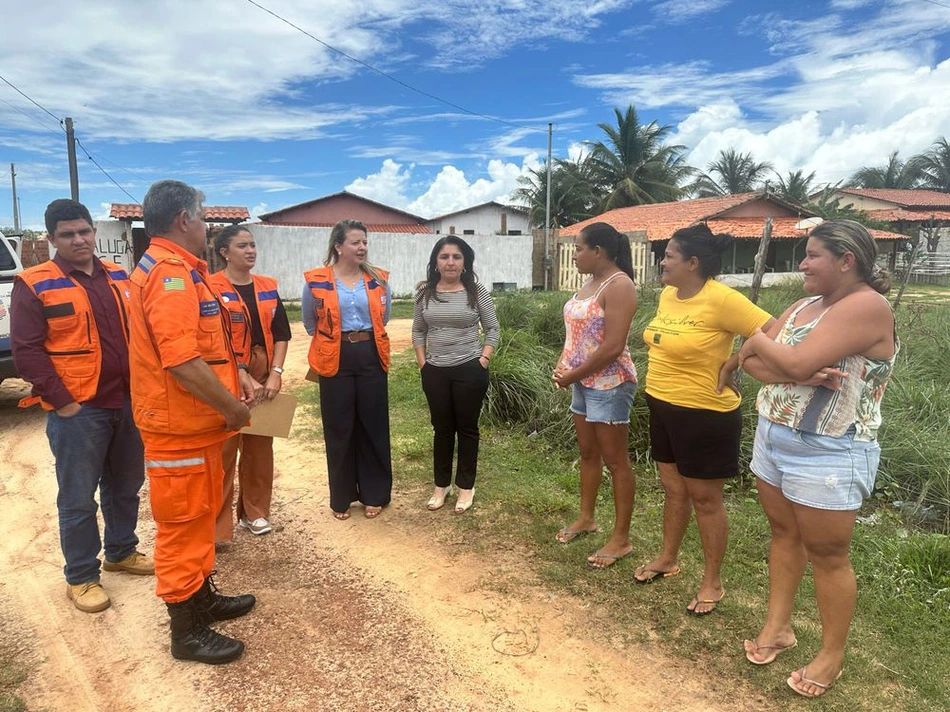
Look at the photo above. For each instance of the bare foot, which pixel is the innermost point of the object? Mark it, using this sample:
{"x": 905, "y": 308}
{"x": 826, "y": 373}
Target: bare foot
{"x": 767, "y": 646}
{"x": 372, "y": 512}
{"x": 342, "y": 515}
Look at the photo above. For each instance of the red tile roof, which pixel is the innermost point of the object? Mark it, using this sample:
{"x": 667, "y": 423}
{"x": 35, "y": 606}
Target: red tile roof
{"x": 916, "y": 215}
{"x": 270, "y": 217}
{"x": 661, "y": 220}
{"x": 782, "y": 228}
{"x": 371, "y": 227}
{"x": 905, "y": 198}
{"x": 213, "y": 213}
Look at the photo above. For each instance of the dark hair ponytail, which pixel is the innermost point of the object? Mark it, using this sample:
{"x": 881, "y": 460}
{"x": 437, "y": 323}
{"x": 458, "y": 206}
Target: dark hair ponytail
{"x": 699, "y": 241}
{"x": 612, "y": 242}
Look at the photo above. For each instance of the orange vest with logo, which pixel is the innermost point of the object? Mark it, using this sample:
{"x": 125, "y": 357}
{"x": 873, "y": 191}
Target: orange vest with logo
{"x": 265, "y": 291}
{"x": 72, "y": 339}
{"x": 324, "y": 356}
{"x": 160, "y": 404}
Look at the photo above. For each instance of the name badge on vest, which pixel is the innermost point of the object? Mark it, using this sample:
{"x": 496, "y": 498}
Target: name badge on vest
{"x": 209, "y": 308}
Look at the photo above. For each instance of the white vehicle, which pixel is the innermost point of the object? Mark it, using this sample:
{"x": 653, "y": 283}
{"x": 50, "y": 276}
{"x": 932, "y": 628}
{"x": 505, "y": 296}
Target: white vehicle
{"x": 9, "y": 266}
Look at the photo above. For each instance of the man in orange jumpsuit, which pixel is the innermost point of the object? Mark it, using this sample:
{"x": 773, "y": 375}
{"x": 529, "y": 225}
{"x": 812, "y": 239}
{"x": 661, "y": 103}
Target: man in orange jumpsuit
{"x": 188, "y": 396}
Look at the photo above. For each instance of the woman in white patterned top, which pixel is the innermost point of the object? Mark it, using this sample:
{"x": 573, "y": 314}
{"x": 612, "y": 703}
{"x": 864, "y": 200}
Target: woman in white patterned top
{"x": 451, "y": 304}
{"x": 827, "y": 361}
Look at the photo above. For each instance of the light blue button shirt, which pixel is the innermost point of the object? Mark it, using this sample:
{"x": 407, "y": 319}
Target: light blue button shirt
{"x": 354, "y": 307}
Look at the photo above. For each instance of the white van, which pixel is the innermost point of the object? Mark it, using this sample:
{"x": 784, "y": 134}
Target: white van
{"x": 9, "y": 266}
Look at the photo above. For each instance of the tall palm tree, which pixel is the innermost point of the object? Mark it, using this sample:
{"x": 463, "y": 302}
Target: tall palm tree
{"x": 573, "y": 194}
{"x": 896, "y": 174}
{"x": 796, "y": 187}
{"x": 732, "y": 172}
{"x": 634, "y": 165}
{"x": 934, "y": 166}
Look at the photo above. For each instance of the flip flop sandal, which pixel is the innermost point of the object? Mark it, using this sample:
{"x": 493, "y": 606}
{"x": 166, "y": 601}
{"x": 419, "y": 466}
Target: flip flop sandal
{"x": 653, "y": 574}
{"x": 776, "y": 651}
{"x": 611, "y": 559}
{"x": 342, "y": 515}
{"x": 372, "y": 512}
{"x": 566, "y": 536}
{"x": 693, "y": 612}
{"x": 804, "y": 680}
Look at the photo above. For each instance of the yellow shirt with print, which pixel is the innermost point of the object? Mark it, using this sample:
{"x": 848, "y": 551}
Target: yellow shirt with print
{"x": 689, "y": 340}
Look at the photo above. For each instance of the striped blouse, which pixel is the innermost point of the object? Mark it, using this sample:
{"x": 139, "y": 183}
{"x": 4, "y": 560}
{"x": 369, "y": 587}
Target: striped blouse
{"x": 448, "y": 327}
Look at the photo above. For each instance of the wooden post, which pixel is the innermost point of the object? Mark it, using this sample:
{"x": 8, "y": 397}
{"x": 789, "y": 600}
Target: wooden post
{"x": 910, "y": 267}
{"x": 760, "y": 261}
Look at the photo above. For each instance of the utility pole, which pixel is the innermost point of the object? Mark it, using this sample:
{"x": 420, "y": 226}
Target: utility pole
{"x": 16, "y": 203}
{"x": 547, "y": 217}
{"x": 73, "y": 169}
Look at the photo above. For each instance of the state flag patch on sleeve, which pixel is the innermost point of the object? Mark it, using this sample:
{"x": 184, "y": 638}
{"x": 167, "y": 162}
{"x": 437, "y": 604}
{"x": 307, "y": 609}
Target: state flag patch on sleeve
{"x": 173, "y": 284}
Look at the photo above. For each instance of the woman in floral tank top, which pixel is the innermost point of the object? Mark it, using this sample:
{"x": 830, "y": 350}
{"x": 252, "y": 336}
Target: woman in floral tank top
{"x": 596, "y": 364}
{"x": 826, "y": 363}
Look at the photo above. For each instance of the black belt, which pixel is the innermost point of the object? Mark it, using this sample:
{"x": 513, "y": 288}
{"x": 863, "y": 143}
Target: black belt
{"x": 356, "y": 336}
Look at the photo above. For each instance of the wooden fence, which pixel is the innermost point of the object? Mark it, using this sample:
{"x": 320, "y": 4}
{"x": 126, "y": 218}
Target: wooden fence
{"x": 567, "y": 279}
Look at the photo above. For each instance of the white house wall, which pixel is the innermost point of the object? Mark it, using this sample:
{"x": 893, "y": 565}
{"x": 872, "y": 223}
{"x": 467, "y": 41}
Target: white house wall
{"x": 111, "y": 243}
{"x": 285, "y": 253}
{"x": 486, "y": 220}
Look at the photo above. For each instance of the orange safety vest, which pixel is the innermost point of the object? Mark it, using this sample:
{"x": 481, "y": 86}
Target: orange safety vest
{"x": 324, "y": 355}
{"x": 72, "y": 339}
{"x": 160, "y": 404}
{"x": 265, "y": 290}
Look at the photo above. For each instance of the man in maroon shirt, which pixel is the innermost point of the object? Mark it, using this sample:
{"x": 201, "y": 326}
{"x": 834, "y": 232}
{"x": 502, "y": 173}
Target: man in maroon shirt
{"x": 69, "y": 331}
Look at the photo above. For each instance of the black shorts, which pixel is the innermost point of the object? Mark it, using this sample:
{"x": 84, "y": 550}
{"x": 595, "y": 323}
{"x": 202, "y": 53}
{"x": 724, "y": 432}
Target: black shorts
{"x": 704, "y": 444}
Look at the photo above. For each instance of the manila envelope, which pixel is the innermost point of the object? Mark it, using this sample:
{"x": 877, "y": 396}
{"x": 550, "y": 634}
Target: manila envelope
{"x": 272, "y": 418}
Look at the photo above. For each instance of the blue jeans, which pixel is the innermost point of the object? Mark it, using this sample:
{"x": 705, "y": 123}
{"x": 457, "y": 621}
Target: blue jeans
{"x": 98, "y": 448}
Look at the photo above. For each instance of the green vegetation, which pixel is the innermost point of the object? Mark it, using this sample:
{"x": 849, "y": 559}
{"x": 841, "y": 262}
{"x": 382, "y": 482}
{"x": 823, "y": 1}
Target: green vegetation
{"x": 12, "y": 674}
{"x": 528, "y": 488}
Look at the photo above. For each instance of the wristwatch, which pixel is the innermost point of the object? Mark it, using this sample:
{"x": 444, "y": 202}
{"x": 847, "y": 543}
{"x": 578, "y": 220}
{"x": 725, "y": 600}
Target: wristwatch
{"x": 278, "y": 370}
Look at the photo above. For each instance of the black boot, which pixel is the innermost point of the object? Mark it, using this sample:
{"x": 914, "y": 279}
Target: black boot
{"x": 212, "y": 606}
{"x": 194, "y": 640}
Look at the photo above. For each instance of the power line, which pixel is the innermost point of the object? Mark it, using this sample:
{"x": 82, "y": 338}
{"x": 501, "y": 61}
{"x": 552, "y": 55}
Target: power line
{"x": 29, "y": 116}
{"x": 938, "y": 4}
{"x": 35, "y": 103}
{"x": 389, "y": 76}
{"x": 104, "y": 172}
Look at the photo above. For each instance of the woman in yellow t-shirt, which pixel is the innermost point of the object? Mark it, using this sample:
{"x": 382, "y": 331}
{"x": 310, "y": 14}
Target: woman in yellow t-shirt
{"x": 695, "y": 421}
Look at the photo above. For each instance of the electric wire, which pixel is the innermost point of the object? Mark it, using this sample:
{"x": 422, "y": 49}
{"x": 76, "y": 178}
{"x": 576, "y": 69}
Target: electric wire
{"x": 390, "y": 77}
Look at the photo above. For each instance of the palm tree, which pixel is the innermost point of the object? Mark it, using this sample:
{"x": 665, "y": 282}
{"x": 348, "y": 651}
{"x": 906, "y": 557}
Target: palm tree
{"x": 734, "y": 173}
{"x": 573, "y": 194}
{"x": 896, "y": 174}
{"x": 934, "y": 166}
{"x": 796, "y": 187}
{"x": 634, "y": 166}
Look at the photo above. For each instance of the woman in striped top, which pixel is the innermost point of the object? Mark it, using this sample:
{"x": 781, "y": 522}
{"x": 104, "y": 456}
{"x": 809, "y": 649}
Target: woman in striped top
{"x": 450, "y": 305}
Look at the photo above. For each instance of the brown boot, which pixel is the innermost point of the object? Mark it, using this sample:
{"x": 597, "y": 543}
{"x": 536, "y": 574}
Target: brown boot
{"x": 88, "y": 597}
{"x": 135, "y": 563}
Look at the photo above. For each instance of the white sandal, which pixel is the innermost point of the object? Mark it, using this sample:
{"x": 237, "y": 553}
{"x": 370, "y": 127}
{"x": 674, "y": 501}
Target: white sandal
{"x": 437, "y": 500}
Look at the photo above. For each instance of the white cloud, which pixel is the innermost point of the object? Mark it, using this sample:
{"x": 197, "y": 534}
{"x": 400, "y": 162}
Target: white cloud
{"x": 449, "y": 190}
{"x": 674, "y": 11}
{"x": 387, "y": 186}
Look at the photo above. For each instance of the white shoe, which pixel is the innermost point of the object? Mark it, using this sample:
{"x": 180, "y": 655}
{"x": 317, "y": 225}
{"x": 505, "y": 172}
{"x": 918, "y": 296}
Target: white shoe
{"x": 258, "y": 526}
{"x": 437, "y": 500}
{"x": 462, "y": 505}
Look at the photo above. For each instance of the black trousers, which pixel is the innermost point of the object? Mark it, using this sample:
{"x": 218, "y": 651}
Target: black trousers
{"x": 455, "y": 395}
{"x": 354, "y": 408}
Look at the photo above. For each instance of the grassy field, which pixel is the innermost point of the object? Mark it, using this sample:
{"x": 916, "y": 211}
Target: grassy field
{"x": 528, "y": 488}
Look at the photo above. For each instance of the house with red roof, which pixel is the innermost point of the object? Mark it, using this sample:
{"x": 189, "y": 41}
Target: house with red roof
{"x": 328, "y": 210}
{"x": 906, "y": 210}
{"x": 741, "y": 215}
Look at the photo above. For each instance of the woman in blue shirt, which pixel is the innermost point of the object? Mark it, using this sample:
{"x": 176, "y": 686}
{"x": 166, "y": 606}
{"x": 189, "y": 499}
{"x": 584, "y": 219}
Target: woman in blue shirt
{"x": 345, "y": 308}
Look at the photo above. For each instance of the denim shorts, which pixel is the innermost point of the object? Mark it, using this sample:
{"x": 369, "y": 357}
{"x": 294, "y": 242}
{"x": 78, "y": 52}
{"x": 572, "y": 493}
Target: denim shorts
{"x": 817, "y": 471}
{"x": 611, "y": 406}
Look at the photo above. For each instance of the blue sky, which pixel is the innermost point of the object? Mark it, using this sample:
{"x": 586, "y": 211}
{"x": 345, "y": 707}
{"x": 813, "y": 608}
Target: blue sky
{"x": 223, "y": 95}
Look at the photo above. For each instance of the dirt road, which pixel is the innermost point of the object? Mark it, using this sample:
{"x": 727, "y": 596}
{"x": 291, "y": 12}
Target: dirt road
{"x": 355, "y": 615}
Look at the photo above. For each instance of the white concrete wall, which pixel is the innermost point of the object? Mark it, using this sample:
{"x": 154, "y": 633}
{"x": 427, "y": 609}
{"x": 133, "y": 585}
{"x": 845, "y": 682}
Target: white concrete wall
{"x": 111, "y": 243}
{"x": 769, "y": 279}
{"x": 285, "y": 253}
{"x": 485, "y": 220}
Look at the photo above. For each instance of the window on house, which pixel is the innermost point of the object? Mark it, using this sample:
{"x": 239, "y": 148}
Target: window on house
{"x": 468, "y": 232}
{"x": 514, "y": 232}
